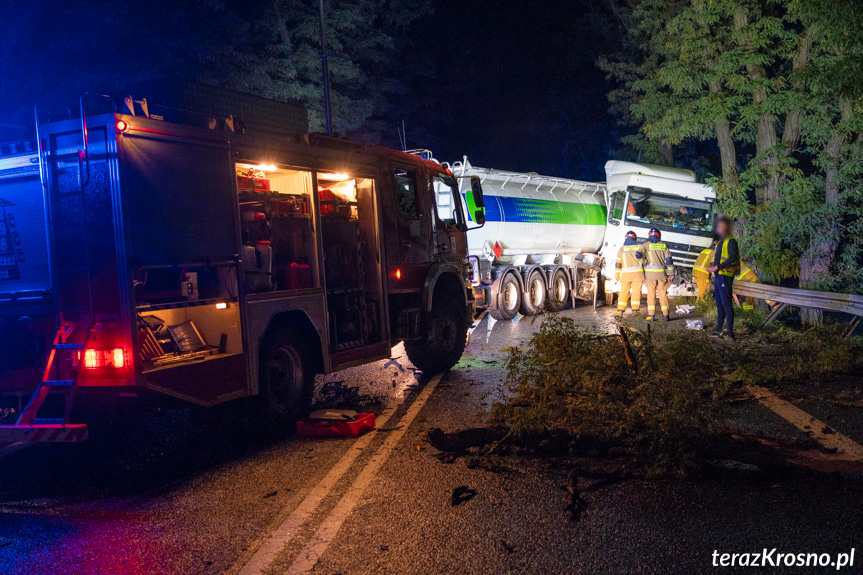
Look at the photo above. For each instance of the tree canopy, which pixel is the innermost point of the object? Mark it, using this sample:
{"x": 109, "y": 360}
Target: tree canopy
{"x": 267, "y": 47}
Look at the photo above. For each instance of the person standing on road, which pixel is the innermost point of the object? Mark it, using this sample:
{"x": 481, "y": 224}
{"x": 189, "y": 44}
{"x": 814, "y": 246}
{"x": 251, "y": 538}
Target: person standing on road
{"x": 658, "y": 273}
{"x": 726, "y": 264}
{"x": 629, "y": 272}
{"x": 699, "y": 270}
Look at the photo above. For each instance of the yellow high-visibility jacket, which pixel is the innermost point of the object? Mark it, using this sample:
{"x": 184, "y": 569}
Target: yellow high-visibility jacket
{"x": 724, "y": 256}
{"x": 704, "y": 260}
{"x": 747, "y": 275}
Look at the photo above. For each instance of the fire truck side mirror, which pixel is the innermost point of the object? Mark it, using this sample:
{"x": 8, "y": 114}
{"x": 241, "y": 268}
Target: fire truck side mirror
{"x": 476, "y": 190}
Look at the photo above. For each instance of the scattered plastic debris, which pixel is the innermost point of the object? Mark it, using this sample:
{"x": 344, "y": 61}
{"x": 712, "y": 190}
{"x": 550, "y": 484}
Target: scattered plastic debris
{"x": 694, "y": 324}
{"x": 684, "y": 309}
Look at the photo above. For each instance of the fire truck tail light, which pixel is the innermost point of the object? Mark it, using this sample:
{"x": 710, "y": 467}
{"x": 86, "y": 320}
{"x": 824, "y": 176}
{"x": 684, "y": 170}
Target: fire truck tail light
{"x": 97, "y": 358}
{"x": 122, "y": 126}
{"x": 398, "y": 273}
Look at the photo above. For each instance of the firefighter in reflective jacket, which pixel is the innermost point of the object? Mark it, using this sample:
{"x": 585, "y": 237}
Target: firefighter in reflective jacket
{"x": 629, "y": 272}
{"x": 658, "y": 272}
{"x": 747, "y": 275}
{"x": 699, "y": 270}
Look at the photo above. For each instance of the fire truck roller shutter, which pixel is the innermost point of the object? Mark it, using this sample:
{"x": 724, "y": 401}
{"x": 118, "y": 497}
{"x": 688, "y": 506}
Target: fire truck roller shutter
{"x": 179, "y": 200}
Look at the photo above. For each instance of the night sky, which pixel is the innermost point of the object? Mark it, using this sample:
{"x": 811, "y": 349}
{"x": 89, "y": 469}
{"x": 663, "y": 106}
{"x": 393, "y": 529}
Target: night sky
{"x": 513, "y": 93}
{"x": 511, "y": 84}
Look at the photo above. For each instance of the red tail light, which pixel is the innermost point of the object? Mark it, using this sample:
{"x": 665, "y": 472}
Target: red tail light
{"x": 98, "y": 358}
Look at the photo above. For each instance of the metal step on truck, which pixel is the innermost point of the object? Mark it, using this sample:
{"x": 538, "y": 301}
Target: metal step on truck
{"x": 548, "y": 241}
{"x": 200, "y": 244}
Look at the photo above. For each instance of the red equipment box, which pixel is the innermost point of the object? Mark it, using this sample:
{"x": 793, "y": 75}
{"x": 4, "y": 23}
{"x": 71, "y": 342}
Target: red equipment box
{"x": 246, "y": 184}
{"x": 333, "y": 428}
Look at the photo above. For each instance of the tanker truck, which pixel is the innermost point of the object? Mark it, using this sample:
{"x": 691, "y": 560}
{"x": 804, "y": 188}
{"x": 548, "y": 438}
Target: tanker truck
{"x": 549, "y": 241}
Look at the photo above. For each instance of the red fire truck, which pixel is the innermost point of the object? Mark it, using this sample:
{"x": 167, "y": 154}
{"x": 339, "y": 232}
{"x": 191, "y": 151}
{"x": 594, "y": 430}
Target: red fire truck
{"x": 211, "y": 249}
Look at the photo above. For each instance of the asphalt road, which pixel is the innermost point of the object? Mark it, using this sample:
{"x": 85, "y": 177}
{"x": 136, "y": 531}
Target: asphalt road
{"x": 194, "y": 494}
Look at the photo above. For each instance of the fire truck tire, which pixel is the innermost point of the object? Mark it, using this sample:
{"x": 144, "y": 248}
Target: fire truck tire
{"x": 558, "y": 291}
{"x": 445, "y": 330}
{"x": 286, "y": 381}
{"x": 508, "y": 299}
{"x": 535, "y": 295}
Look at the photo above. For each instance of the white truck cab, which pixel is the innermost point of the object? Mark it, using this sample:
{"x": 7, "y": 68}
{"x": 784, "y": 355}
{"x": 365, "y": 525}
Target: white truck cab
{"x": 641, "y": 197}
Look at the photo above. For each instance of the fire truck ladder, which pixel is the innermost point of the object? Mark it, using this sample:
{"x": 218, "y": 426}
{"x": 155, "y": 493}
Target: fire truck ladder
{"x": 61, "y": 375}
{"x": 30, "y": 427}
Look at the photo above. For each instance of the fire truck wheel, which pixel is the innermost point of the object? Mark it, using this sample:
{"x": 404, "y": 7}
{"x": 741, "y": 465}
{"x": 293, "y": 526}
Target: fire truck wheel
{"x": 287, "y": 381}
{"x": 445, "y": 331}
{"x": 558, "y": 293}
{"x": 508, "y": 299}
{"x": 534, "y": 300}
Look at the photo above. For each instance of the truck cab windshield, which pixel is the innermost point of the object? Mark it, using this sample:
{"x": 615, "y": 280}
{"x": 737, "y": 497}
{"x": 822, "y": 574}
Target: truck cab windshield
{"x": 669, "y": 212}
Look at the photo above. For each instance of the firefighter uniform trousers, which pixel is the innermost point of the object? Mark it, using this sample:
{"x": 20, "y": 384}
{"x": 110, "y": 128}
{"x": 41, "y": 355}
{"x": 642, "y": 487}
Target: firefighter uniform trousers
{"x": 700, "y": 273}
{"x": 629, "y": 271}
{"x": 658, "y": 267}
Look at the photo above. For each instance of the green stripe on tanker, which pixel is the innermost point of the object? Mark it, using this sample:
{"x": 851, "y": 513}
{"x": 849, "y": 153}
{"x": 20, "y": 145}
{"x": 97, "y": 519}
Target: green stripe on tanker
{"x": 530, "y": 210}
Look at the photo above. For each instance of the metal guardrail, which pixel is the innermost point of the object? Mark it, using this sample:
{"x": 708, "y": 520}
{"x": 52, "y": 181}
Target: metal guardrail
{"x": 803, "y": 298}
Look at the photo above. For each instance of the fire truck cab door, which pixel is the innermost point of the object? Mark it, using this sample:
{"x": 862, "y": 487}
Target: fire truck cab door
{"x": 410, "y": 216}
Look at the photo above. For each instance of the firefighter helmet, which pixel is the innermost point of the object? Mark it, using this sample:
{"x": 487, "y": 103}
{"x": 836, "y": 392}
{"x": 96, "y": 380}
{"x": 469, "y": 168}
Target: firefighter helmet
{"x": 654, "y": 235}
{"x": 631, "y": 235}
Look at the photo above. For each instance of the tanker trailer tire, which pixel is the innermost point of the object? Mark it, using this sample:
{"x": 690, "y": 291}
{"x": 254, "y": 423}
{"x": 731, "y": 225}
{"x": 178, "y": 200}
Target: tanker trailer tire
{"x": 508, "y": 299}
{"x": 535, "y": 295}
{"x": 558, "y": 293}
{"x": 286, "y": 381}
{"x": 444, "y": 339}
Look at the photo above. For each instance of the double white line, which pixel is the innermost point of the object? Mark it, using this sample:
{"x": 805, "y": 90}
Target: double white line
{"x": 284, "y": 533}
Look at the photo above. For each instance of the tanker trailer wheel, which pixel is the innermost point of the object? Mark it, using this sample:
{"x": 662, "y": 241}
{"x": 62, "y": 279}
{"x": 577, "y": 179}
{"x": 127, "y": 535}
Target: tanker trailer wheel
{"x": 508, "y": 299}
{"x": 286, "y": 381}
{"x": 445, "y": 335}
{"x": 558, "y": 293}
{"x": 534, "y": 300}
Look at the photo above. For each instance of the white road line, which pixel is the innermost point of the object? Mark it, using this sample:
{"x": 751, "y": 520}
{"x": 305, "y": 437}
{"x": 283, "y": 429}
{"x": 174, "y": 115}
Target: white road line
{"x": 845, "y": 447}
{"x": 281, "y": 535}
{"x": 328, "y": 530}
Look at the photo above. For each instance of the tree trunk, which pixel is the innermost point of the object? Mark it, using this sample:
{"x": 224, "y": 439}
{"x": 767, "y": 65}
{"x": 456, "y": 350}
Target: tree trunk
{"x": 667, "y": 154}
{"x": 817, "y": 261}
{"x": 791, "y": 133}
{"x": 727, "y": 152}
{"x": 765, "y": 137}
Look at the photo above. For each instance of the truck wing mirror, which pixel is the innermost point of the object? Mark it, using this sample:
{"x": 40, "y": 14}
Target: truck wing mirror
{"x": 476, "y": 190}
{"x": 478, "y": 201}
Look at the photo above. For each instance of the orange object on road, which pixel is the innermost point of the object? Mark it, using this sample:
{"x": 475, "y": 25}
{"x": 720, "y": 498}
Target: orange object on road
{"x": 335, "y": 428}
